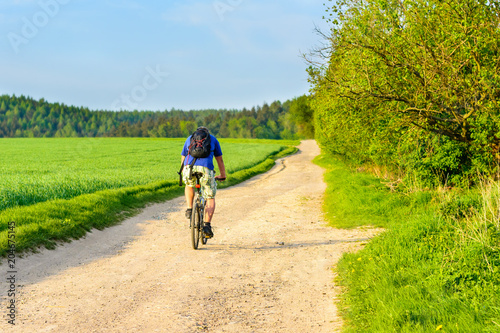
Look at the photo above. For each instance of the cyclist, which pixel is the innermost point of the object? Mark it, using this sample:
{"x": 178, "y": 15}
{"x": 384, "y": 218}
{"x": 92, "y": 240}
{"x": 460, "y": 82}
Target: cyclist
{"x": 208, "y": 181}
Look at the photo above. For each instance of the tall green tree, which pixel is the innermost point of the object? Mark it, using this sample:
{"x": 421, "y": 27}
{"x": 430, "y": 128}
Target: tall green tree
{"x": 394, "y": 66}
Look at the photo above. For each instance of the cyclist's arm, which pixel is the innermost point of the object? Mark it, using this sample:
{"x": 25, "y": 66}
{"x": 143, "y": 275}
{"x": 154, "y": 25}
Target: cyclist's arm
{"x": 222, "y": 168}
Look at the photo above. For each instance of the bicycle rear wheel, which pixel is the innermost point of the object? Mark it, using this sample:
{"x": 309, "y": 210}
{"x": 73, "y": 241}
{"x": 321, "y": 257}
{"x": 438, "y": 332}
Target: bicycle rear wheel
{"x": 195, "y": 226}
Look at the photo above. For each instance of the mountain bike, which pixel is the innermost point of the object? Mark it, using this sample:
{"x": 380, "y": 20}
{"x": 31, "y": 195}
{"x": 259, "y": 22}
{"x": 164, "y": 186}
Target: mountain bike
{"x": 198, "y": 213}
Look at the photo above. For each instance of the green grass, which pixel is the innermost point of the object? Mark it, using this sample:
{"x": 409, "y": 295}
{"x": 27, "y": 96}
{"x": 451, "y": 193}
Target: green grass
{"x": 125, "y": 175}
{"x": 354, "y": 199}
{"x": 432, "y": 269}
{"x": 37, "y": 170}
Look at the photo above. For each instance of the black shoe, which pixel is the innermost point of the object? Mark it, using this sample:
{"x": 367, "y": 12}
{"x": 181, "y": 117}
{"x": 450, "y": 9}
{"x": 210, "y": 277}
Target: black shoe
{"x": 189, "y": 211}
{"x": 207, "y": 230}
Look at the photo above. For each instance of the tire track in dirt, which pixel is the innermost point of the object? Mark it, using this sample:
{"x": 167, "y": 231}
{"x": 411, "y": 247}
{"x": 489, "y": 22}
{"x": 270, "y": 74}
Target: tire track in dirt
{"x": 268, "y": 268}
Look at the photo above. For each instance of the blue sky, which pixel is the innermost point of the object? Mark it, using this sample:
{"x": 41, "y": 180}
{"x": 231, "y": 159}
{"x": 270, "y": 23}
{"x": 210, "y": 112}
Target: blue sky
{"x": 157, "y": 55}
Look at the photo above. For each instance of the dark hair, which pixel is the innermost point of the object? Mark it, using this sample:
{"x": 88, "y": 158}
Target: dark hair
{"x": 203, "y": 128}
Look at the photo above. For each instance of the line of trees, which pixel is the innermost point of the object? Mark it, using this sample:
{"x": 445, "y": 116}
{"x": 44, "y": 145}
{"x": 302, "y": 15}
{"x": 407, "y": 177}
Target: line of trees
{"x": 25, "y": 117}
{"x": 413, "y": 85}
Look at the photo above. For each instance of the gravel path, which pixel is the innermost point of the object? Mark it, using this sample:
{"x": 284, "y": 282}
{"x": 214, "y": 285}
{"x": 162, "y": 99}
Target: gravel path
{"x": 268, "y": 268}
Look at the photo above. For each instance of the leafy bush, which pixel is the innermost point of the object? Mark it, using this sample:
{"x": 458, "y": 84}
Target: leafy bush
{"x": 412, "y": 86}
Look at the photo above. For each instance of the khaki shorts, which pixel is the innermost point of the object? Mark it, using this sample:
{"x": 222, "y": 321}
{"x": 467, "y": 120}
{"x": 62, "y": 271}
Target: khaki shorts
{"x": 207, "y": 182}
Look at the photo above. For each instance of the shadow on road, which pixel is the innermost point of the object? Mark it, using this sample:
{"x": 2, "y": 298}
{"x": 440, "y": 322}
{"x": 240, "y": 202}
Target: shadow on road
{"x": 278, "y": 245}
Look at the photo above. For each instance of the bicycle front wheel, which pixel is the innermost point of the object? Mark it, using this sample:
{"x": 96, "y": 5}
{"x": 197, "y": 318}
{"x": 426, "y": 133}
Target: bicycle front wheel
{"x": 195, "y": 226}
{"x": 202, "y": 234}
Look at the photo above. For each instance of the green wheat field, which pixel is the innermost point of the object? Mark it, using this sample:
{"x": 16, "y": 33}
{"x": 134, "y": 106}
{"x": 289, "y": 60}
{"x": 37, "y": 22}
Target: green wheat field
{"x": 59, "y": 188}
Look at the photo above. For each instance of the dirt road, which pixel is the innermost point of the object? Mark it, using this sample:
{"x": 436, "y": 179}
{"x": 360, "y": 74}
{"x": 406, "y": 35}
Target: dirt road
{"x": 268, "y": 268}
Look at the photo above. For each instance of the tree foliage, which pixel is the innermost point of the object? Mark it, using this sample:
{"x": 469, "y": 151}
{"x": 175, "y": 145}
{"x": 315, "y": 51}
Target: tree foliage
{"x": 405, "y": 81}
{"x": 303, "y": 115}
{"x": 25, "y": 117}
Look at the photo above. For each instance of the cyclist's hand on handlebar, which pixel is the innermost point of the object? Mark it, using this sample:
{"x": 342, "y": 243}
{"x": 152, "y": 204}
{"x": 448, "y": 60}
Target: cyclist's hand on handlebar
{"x": 220, "y": 178}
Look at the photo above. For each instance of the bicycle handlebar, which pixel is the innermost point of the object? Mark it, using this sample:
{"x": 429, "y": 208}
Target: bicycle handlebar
{"x": 198, "y": 175}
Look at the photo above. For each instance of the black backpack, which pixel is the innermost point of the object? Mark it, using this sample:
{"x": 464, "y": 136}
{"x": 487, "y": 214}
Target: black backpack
{"x": 199, "y": 147}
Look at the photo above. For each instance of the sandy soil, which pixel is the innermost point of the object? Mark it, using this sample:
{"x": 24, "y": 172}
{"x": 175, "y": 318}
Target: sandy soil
{"x": 268, "y": 268}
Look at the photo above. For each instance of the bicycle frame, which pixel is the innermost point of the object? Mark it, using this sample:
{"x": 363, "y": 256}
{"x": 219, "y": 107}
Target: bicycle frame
{"x": 197, "y": 215}
{"x": 198, "y": 212}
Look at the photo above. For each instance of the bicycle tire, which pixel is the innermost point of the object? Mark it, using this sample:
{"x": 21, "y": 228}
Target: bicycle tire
{"x": 202, "y": 234}
{"x": 195, "y": 226}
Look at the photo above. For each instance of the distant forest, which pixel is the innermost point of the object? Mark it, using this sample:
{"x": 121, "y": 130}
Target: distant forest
{"x": 26, "y": 117}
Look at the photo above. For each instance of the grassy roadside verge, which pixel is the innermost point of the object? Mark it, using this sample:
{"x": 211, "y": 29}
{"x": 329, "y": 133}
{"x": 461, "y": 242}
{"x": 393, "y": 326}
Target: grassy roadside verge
{"x": 46, "y": 223}
{"x": 435, "y": 268}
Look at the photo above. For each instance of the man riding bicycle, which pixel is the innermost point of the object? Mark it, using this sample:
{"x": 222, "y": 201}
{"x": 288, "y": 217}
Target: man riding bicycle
{"x": 205, "y": 166}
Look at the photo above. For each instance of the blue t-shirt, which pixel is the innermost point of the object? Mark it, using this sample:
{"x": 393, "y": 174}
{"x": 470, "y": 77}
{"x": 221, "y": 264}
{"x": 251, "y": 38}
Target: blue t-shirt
{"x": 208, "y": 162}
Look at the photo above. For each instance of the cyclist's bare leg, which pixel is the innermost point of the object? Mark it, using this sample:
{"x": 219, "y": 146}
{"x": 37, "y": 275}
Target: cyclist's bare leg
{"x": 189, "y": 194}
{"x": 209, "y": 210}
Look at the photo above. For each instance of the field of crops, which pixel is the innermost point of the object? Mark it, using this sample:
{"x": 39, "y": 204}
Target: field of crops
{"x": 36, "y": 170}
{"x": 58, "y": 189}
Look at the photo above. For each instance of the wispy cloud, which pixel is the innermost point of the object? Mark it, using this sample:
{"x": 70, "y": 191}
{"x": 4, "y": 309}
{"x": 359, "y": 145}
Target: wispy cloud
{"x": 87, "y": 53}
{"x": 249, "y": 27}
